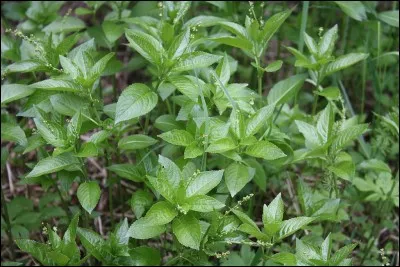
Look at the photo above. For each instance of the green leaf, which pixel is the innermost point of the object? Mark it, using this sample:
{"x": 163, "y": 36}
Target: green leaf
{"x": 179, "y": 45}
{"x": 52, "y": 132}
{"x": 57, "y": 85}
{"x": 53, "y": 164}
{"x": 274, "y": 66}
{"x": 99, "y": 67}
{"x": 390, "y": 17}
{"x": 311, "y": 44}
{"x": 14, "y": 133}
{"x": 354, "y": 9}
{"x": 310, "y": 134}
{"x": 284, "y": 90}
{"x": 375, "y": 165}
{"x": 68, "y": 104}
{"x": 140, "y": 201}
{"x": 161, "y": 213}
{"x": 244, "y": 218}
{"x": 325, "y": 123}
{"x": 12, "y": 92}
{"x": 259, "y": 119}
{"x": 284, "y": 258}
{"x": 89, "y": 195}
{"x": 136, "y": 100}
{"x": 347, "y": 135}
{"x": 36, "y": 250}
{"x": 327, "y": 42}
{"x": 69, "y": 67}
{"x": 203, "y": 183}
{"x": 146, "y": 45}
{"x": 237, "y": 176}
{"x": 70, "y": 234}
{"x": 112, "y": 30}
{"x": 163, "y": 186}
{"x": 221, "y": 145}
{"x": 202, "y": 203}
{"x": 273, "y": 213}
{"x": 177, "y": 137}
{"x": 272, "y": 25}
{"x": 25, "y": 66}
{"x": 186, "y": 86}
{"x": 203, "y": 21}
{"x": 167, "y": 123}
{"x": 326, "y": 247}
{"x": 66, "y": 24}
{"x": 127, "y": 170}
{"x": 145, "y": 256}
{"x": 137, "y": 141}
{"x": 193, "y": 151}
{"x": 265, "y": 150}
{"x": 87, "y": 150}
{"x": 170, "y": 171}
{"x": 195, "y": 60}
{"x": 293, "y": 225}
{"x": 187, "y": 230}
{"x": 306, "y": 252}
{"x": 233, "y": 41}
{"x": 330, "y": 93}
{"x": 145, "y": 229}
{"x": 344, "y": 61}
{"x": 342, "y": 254}
{"x": 234, "y": 28}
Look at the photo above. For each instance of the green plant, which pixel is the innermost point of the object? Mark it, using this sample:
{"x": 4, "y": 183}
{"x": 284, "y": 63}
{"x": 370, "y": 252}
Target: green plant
{"x": 147, "y": 137}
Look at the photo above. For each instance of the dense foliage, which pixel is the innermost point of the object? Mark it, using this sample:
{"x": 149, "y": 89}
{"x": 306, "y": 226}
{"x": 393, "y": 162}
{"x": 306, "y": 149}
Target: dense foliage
{"x": 199, "y": 133}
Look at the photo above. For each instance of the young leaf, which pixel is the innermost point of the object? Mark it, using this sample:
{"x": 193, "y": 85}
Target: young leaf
{"x": 347, "y": 135}
{"x": 137, "y": 141}
{"x": 327, "y": 43}
{"x": 325, "y": 123}
{"x": 237, "y": 176}
{"x": 12, "y": 92}
{"x": 311, "y": 44}
{"x": 203, "y": 182}
{"x": 89, "y": 195}
{"x": 53, "y": 164}
{"x": 274, "y": 66}
{"x": 390, "y": 17}
{"x": 139, "y": 201}
{"x": 274, "y": 211}
{"x": 221, "y": 145}
{"x": 272, "y": 25}
{"x": 136, "y": 100}
{"x": 195, "y": 60}
{"x": 57, "y": 85}
{"x": 12, "y": 132}
{"x": 344, "y": 61}
{"x": 265, "y": 150}
{"x": 177, "y": 137}
{"x": 354, "y": 9}
{"x": 161, "y": 213}
{"x": 284, "y": 90}
{"x": 292, "y": 225}
{"x": 256, "y": 122}
{"x": 187, "y": 230}
{"x": 146, "y": 45}
{"x": 145, "y": 229}
{"x": 202, "y": 203}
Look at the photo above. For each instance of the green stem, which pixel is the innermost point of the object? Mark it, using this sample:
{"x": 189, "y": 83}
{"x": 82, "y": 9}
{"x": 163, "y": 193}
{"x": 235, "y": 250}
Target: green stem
{"x": 8, "y": 222}
{"x": 314, "y": 108}
{"x": 64, "y": 204}
{"x": 110, "y": 191}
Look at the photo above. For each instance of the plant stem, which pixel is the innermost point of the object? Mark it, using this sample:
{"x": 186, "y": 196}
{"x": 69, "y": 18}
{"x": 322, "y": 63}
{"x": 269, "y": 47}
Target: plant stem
{"x": 110, "y": 191}
{"x": 64, "y": 204}
{"x": 8, "y": 222}
{"x": 314, "y": 108}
